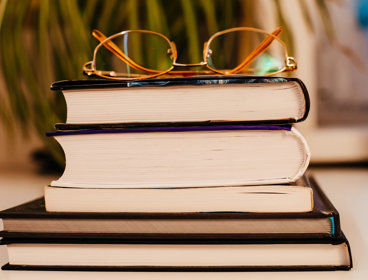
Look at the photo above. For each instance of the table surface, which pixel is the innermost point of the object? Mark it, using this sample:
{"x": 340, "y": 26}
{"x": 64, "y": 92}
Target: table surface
{"x": 347, "y": 189}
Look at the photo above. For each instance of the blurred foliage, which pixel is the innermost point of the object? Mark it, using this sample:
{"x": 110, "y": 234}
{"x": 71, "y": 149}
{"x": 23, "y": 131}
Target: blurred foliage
{"x": 42, "y": 41}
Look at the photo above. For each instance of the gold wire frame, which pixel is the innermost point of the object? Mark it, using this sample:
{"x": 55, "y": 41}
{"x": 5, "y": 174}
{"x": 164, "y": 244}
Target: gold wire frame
{"x": 89, "y": 68}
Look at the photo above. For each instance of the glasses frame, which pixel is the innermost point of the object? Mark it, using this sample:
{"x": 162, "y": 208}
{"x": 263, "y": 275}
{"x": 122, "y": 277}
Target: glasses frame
{"x": 89, "y": 68}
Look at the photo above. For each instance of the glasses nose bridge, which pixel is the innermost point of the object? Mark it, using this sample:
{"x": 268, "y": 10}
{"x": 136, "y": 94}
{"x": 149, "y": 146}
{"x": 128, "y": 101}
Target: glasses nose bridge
{"x": 190, "y": 64}
{"x": 202, "y": 63}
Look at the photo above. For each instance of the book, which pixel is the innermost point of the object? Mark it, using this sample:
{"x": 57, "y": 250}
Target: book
{"x": 207, "y": 99}
{"x": 31, "y": 220}
{"x": 168, "y": 157}
{"x": 230, "y": 255}
{"x": 261, "y": 198}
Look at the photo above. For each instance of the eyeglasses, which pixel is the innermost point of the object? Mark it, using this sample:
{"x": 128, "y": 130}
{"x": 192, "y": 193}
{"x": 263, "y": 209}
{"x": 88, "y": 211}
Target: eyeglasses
{"x": 141, "y": 54}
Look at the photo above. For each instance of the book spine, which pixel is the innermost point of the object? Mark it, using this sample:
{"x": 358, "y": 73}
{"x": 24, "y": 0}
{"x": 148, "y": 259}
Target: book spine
{"x": 306, "y": 161}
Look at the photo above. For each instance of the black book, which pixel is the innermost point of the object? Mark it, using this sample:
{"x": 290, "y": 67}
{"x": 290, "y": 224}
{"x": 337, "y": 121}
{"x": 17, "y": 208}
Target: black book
{"x": 179, "y": 255}
{"x": 209, "y": 100}
{"x": 31, "y": 220}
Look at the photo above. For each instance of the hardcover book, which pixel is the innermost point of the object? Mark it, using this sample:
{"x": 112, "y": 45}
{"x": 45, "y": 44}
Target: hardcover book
{"x": 206, "y": 99}
{"x": 169, "y": 157}
{"x": 201, "y": 255}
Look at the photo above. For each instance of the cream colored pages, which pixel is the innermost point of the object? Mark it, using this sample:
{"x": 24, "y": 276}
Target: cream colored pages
{"x": 183, "y": 159}
{"x": 238, "y": 102}
{"x": 272, "y": 198}
{"x": 267, "y": 255}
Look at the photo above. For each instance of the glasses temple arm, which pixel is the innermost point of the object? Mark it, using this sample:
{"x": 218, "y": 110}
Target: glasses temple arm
{"x": 262, "y": 47}
{"x": 119, "y": 53}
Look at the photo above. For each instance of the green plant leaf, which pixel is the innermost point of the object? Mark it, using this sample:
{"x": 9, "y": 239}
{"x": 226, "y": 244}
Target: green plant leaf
{"x": 210, "y": 13}
{"x": 2, "y": 10}
{"x": 191, "y": 30}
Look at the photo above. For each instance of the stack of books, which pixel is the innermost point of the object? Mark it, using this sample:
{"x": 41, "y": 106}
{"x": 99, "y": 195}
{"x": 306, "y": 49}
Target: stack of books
{"x": 183, "y": 174}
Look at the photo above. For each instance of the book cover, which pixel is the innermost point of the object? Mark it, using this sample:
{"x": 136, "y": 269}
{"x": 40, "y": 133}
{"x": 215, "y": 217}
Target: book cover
{"x": 176, "y": 128}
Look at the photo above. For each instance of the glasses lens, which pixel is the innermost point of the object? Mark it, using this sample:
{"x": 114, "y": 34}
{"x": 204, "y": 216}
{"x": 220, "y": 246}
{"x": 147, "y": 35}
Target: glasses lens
{"x": 134, "y": 54}
{"x": 248, "y": 52}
